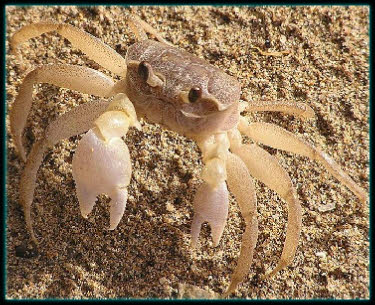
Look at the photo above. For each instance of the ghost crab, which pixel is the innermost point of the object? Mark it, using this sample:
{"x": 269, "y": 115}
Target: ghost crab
{"x": 171, "y": 87}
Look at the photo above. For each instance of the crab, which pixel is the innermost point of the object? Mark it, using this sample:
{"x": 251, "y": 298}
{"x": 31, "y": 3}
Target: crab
{"x": 183, "y": 93}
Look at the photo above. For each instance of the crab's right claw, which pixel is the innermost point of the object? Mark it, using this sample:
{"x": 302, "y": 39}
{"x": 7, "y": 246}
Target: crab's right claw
{"x": 102, "y": 164}
{"x": 102, "y": 167}
{"x": 211, "y": 205}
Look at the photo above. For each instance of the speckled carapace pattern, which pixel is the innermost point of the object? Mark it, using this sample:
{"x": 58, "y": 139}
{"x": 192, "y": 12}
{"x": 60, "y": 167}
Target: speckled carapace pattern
{"x": 149, "y": 254}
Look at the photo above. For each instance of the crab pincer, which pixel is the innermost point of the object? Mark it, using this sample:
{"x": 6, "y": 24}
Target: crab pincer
{"x": 102, "y": 164}
{"x": 211, "y": 205}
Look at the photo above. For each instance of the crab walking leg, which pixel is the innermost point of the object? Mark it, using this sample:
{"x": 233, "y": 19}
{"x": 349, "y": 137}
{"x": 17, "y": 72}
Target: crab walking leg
{"x": 266, "y": 168}
{"x": 27, "y": 182}
{"x": 140, "y": 28}
{"x": 95, "y": 49}
{"x": 101, "y": 163}
{"x": 137, "y": 28}
{"x": 277, "y": 137}
{"x": 242, "y": 186}
{"x": 82, "y": 79}
{"x": 69, "y": 124}
{"x": 289, "y": 107}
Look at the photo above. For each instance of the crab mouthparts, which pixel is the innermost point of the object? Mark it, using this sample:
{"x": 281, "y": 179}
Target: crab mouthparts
{"x": 194, "y": 114}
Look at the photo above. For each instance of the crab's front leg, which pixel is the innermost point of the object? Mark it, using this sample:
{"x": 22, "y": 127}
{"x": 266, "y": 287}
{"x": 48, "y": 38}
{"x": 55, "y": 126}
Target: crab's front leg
{"x": 211, "y": 200}
{"x": 101, "y": 163}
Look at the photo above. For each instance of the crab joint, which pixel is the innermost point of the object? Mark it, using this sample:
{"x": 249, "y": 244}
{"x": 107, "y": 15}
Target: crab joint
{"x": 115, "y": 122}
{"x": 214, "y": 172}
{"x": 111, "y": 124}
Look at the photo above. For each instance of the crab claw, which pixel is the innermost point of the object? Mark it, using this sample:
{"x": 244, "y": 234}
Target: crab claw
{"x": 102, "y": 166}
{"x": 211, "y": 205}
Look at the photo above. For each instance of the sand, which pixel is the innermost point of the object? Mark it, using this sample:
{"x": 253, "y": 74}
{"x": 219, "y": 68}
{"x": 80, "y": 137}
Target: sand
{"x": 149, "y": 254}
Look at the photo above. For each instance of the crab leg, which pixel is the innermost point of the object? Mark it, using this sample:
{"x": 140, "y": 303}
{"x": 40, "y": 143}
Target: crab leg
{"x": 69, "y": 124}
{"x": 95, "y": 49}
{"x": 277, "y": 137}
{"x": 140, "y": 28}
{"x": 265, "y": 167}
{"x": 289, "y": 107}
{"x": 242, "y": 186}
{"x": 72, "y": 77}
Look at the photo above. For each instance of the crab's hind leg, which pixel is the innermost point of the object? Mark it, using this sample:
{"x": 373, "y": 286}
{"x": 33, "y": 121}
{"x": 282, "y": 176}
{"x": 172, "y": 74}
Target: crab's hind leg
{"x": 82, "y": 79}
{"x": 279, "y": 138}
{"x": 242, "y": 186}
{"x": 76, "y": 121}
{"x": 94, "y": 48}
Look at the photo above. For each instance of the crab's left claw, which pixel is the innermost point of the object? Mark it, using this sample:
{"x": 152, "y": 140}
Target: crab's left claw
{"x": 211, "y": 205}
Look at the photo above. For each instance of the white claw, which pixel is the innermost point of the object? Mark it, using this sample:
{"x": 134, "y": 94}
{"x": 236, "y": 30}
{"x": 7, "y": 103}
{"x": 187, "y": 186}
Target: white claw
{"x": 211, "y": 205}
{"x": 86, "y": 198}
{"x": 117, "y": 208}
{"x": 102, "y": 167}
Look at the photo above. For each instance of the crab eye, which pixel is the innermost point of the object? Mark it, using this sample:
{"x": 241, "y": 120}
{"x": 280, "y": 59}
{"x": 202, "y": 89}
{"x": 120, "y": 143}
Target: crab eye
{"x": 194, "y": 94}
{"x": 144, "y": 69}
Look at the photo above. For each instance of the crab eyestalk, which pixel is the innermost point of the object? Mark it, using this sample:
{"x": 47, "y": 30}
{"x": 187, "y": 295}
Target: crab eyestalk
{"x": 102, "y": 164}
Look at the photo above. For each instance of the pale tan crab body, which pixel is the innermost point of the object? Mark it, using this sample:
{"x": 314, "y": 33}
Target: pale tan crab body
{"x": 171, "y": 87}
{"x": 179, "y": 71}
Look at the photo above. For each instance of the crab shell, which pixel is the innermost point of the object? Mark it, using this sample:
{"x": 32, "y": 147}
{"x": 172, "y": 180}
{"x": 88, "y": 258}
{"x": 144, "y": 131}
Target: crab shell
{"x": 179, "y": 71}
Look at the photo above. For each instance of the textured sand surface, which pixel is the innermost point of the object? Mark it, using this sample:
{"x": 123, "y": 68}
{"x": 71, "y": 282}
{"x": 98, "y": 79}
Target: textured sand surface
{"x": 149, "y": 254}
